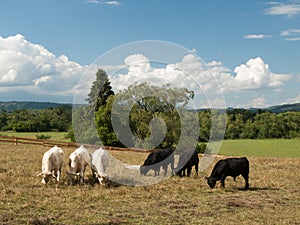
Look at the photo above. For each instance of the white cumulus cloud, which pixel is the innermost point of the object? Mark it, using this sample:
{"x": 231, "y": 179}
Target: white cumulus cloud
{"x": 29, "y": 67}
{"x": 255, "y": 73}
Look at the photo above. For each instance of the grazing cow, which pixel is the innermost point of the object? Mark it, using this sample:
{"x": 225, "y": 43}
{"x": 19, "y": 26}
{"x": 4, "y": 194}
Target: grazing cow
{"x": 229, "y": 167}
{"x": 78, "y": 161}
{"x": 158, "y": 158}
{"x": 51, "y": 164}
{"x": 99, "y": 164}
{"x": 186, "y": 162}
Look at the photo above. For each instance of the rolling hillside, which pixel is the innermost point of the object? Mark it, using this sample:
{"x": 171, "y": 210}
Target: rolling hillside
{"x": 15, "y": 105}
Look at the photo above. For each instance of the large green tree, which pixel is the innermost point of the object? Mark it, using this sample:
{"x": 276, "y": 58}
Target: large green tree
{"x": 100, "y": 90}
{"x": 83, "y": 127}
{"x": 148, "y": 103}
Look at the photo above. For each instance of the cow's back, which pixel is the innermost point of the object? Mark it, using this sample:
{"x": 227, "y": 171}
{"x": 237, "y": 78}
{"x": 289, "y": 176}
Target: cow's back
{"x": 100, "y": 160}
{"x": 80, "y": 158}
{"x": 157, "y": 156}
{"x": 238, "y": 166}
{"x": 52, "y": 159}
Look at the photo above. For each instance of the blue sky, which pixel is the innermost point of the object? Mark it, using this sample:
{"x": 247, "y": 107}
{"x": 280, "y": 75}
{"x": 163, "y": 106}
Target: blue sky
{"x": 234, "y": 37}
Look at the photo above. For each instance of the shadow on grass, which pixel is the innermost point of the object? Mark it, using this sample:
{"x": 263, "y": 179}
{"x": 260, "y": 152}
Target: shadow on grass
{"x": 259, "y": 189}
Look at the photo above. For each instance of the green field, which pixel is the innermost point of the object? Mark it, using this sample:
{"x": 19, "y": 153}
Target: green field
{"x": 242, "y": 147}
{"x": 262, "y": 148}
{"x": 55, "y": 136}
{"x": 273, "y": 197}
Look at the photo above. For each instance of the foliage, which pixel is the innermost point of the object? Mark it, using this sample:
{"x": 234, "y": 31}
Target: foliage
{"x": 263, "y": 125}
{"x": 145, "y": 105}
{"x": 36, "y": 120}
{"x": 100, "y": 90}
{"x": 43, "y": 136}
{"x": 84, "y": 129}
{"x": 104, "y": 125}
{"x": 200, "y": 148}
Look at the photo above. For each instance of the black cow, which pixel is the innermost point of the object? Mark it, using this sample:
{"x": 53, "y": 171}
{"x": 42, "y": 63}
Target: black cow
{"x": 186, "y": 162}
{"x": 158, "y": 158}
{"x": 229, "y": 167}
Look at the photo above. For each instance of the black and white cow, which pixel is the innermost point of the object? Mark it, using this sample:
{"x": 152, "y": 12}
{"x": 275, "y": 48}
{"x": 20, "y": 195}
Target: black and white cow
{"x": 186, "y": 162}
{"x": 158, "y": 158}
{"x": 229, "y": 167}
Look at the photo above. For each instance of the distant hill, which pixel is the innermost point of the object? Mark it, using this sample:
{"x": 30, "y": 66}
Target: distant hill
{"x": 284, "y": 108}
{"x": 15, "y": 105}
{"x": 279, "y": 108}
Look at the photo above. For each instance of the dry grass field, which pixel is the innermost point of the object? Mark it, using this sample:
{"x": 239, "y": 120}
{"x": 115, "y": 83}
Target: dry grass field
{"x": 273, "y": 198}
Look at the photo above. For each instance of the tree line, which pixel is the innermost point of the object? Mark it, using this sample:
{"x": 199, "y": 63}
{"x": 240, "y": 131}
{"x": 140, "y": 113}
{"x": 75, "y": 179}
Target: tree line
{"x": 36, "y": 120}
{"x": 244, "y": 124}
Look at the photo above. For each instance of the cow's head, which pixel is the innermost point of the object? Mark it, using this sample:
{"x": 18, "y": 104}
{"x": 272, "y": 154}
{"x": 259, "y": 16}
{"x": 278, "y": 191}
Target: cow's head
{"x": 211, "y": 182}
{"x": 46, "y": 177}
{"x": 144, "y": 170}
{"x": 102, "y": 179}
{"x": 73, "y": 177}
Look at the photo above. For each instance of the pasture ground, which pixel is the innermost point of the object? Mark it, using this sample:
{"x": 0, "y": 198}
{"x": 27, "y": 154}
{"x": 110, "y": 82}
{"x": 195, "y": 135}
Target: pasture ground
{"x": 273, "y": 198}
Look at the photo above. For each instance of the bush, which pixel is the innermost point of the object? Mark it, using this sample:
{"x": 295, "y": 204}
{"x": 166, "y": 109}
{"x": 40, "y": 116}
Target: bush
{"x": 43, "y": 136}
{"x": 200, "y": 148}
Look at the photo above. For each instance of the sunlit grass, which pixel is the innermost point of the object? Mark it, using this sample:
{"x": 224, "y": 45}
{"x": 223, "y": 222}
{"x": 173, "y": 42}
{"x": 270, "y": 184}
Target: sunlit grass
{"x": 262, "y": 148}
{"x": 55, "y": 136}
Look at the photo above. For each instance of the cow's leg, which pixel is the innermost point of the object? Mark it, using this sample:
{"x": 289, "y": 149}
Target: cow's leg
{"x": 156, "y": 171}
{"x": 223, "y": 177}
{"x": 165, "y": 167}
{"x": 196, "y": 169}
{"x": 189, "y": 170}
{"x": 57, "y": 176}
{"x": 172, "y": 167}
{"x": 82, "y": 176}
{"x": 246, "y": 177}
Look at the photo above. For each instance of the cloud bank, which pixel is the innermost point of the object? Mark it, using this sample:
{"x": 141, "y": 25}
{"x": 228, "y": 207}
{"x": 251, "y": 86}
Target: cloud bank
{"x": 31, "y": 72}
{"x": 31, "y": 68}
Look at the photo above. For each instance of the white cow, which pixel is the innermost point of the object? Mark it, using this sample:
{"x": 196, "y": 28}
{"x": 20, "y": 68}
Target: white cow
{"x": 99, "y": 164}
{"x": 78, "y": 161}
{"x": 51, "y": 164}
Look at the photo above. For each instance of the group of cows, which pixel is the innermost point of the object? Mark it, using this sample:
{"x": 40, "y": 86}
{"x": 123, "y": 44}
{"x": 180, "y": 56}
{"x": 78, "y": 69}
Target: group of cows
{"x": 98, "y": 161}
{"x": 78, "y": 161}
